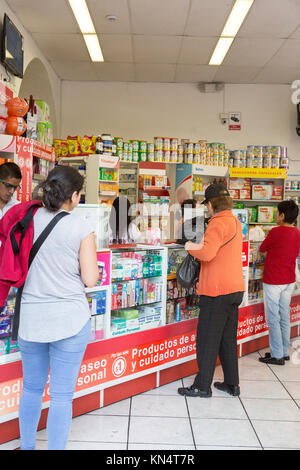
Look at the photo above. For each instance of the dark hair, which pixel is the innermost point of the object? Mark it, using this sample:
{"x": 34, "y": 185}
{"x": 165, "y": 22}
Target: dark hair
{"x": 189, "y": 203}
{"x": 221, "y": 203}
{"x": 10, "y": 170}
{"x": 59, "y": 186}
{"x": 289, "y": 209}
{"x": 120, "y": 218}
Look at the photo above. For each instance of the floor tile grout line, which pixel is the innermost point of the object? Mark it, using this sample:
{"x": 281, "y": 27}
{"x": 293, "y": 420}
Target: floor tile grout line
{"x": 279, "y": 380}
{"x": 128, "y": 426}
{"x": 190, "y": 421}
{"x": 251, "y": 424}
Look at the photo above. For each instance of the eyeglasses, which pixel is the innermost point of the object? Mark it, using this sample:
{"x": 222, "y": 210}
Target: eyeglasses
{"x": 10, "y": 186}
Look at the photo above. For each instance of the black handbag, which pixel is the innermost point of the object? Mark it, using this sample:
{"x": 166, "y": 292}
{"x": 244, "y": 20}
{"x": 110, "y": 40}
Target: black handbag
{"x": 188, "y": 272}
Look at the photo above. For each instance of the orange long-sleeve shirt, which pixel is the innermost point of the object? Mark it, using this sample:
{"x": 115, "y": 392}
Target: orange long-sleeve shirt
{"x": 221, "y": 266}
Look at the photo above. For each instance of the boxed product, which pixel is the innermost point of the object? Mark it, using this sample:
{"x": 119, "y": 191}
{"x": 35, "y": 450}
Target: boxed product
{"x": 13, "y": 346}
{"x": 239, "y": 183}
{"x": 43, "y": 111}
{"x": 252, "y": 211}
{"x": 245, "y": 193}
{"x": 262, "y": 191}
{"x": 277, "y": 192}
{"x": 5, "y": 326}
{"x": 4, "y": 346}
{"x": 170, "y": 312}
{"x": 31, "y": 129}
{"x": 266, "y": 214}
{"x": 41, "y": 132}
{"x": 125, "y": 320}
{"x": 234, "y": 193}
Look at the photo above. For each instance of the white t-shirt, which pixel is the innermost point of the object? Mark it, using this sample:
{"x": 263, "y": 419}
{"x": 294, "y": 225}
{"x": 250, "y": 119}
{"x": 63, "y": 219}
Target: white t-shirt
{"x": 7, "y": 206}
{"x": 54, "y": 305}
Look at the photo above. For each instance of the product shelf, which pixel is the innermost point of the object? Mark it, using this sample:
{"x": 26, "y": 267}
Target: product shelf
{"x": 259, "y": 200}
{"x": 116, "y": 281}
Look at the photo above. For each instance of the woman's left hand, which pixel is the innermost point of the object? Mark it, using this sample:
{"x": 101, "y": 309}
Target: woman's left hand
{"x": 188, "y": 246}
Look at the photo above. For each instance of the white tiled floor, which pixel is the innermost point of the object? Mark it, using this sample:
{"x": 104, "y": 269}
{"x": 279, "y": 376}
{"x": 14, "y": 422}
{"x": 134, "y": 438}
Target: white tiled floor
{"x": 265, "y": 416}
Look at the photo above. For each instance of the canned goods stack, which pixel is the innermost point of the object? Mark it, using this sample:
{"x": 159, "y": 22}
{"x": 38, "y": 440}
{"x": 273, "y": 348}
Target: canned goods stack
{"x": 166, "y": 150}
{"x": 118, "y": 142}
{"x": 188, "y": 149}
{"x": 284, "y": 161}
{"x": 170, "y": 149}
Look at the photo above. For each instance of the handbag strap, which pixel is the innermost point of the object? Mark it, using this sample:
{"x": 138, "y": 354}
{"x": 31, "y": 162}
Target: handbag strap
{"x": 35, "y": 248}
{"x": 233, "y": 235}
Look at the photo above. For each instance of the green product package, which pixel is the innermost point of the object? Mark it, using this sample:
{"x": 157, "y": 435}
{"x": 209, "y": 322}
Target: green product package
{"x": 253, "y": 214}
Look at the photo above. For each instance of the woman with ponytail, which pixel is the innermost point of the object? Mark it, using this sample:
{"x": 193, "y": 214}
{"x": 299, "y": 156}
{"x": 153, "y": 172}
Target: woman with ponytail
{"x": 54, "y": 315}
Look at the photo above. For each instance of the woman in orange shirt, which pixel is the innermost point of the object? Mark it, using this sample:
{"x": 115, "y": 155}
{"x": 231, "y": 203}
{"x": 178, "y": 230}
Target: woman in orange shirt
{"x": 221, "y": 288}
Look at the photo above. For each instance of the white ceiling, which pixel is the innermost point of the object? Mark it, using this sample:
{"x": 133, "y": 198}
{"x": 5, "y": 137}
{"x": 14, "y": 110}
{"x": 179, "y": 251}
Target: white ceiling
{"x": 168, "y": 40}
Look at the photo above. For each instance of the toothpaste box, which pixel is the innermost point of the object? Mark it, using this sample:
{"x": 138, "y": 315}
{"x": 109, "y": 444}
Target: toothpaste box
{"x": 4, "y": 346}
{"x": 5, "y": 326}
{"x": 13, "y": 346}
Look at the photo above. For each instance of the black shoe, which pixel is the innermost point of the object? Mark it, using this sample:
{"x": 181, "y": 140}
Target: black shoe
{"x": 231, "y": 389}
{"x": 268, "y": 355}
{"x": 272, "y": 360}
{"x": 193, "y": 391}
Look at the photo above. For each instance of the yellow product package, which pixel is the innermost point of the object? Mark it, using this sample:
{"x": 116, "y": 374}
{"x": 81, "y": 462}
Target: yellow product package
{"x": 87, "y": 144}
{"x": 74, "y": 145}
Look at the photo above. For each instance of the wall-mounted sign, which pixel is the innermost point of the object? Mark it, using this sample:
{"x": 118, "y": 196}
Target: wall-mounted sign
{"x": 234, "y": 121}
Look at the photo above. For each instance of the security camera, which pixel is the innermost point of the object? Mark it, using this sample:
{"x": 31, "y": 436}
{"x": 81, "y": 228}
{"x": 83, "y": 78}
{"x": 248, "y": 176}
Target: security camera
{"x": 223, "y": 118}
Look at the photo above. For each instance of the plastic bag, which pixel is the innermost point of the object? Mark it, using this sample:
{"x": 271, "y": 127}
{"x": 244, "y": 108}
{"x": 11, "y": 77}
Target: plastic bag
{"x": 188, "y": 272}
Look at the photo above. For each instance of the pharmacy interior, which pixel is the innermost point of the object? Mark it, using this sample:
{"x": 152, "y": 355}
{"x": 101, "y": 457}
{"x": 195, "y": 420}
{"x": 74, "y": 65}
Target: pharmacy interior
{"x": 157, "y": 142}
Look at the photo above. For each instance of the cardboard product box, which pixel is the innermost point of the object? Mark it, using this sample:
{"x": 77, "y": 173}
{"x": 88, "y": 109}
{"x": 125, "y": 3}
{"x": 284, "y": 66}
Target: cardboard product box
{"x": 234, "y": 193}
{"x": 43, "y": 111}
{"x": 4, "y": 346}
{"x": 5, "y": 326}
{"x": 239, "y": 183}
{"x": 41, "y": 132}
{"x": 262, "y": 191}
{"x": 277, "y": 192}
{"x": 266, "y": 214}
{"x": 31, "y": 129}
{"x": 245, "y": 193}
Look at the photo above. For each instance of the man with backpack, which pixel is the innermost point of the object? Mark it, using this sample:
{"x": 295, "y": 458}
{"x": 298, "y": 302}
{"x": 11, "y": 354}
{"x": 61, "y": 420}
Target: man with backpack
{"x": 10, "y": 179}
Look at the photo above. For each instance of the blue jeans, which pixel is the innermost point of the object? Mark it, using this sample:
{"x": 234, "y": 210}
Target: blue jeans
{"x": 64, "y": 358}
{"x": 277, "y": 299}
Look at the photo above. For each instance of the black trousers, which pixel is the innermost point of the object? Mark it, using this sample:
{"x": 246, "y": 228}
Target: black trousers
{"x": 217, "y": 336}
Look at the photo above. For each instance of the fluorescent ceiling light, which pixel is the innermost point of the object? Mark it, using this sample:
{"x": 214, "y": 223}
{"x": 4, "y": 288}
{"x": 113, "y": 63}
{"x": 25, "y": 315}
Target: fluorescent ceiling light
{"x": 232, "y": 25}
{"x": 92, "y": 43}
{"x": 82, "y": 16}
{"x": 220, "y": 51}
{"x": 236, "y": 17}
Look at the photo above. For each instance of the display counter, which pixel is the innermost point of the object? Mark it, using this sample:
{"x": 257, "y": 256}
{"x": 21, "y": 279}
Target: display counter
{"x": 136, "y": 343}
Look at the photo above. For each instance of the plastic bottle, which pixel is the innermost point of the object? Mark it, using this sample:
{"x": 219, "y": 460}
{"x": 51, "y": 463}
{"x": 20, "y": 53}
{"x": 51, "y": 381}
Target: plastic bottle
{"x": 99, "y": 145}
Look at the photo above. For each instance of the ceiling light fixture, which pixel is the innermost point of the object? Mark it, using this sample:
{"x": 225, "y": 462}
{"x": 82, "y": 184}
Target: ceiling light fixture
{"x": 220, "y": 51}
{"x": 82, "y": 16}
{"x": 92, "y": 43}
{"x": 87, "y": 28}
{"x": 236, "y": 17}
{"x": 230, "y": 30}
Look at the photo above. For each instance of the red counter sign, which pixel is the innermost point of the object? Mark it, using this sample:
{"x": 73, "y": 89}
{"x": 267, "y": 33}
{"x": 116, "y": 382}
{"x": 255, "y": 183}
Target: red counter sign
{"x": 245, "y": 254}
